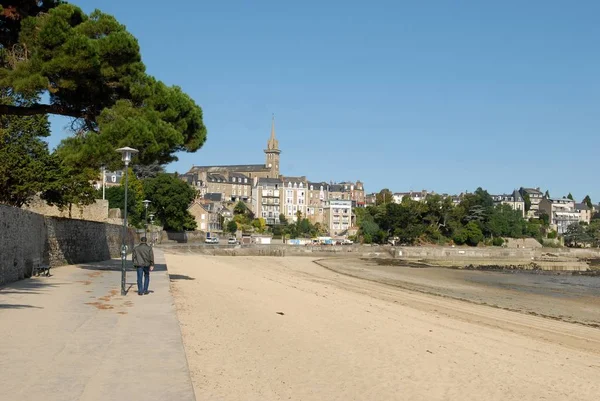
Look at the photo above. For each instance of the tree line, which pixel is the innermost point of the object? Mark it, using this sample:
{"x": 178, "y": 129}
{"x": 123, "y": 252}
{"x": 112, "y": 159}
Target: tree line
{"x": 474, "y": 220}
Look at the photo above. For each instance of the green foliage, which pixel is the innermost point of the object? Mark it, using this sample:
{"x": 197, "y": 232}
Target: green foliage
{"x": 282, "y": 219}
{"x": 470, "y": 234}
{"x": 170, "y": 199}
{"x": 588, "y": 201}
{"x": 569, "y": 196}
{"x": 527, "y": 200}
{"x": 545, "y": 219}
{"x": 577, "y": 235}
{"x": 232, "y": 227}
{"x": 243, "y": 215}
{"x": 593, "y": 231}
{"x": 498, "y": 241}
{"x": 259, "y": 225}
{"x": 552, "y": 235}
{"x": 384, "y": 196}
{"x": 91, "y": 68}
{"x": 505, "y": 222}
{"x": 26, "y": 166}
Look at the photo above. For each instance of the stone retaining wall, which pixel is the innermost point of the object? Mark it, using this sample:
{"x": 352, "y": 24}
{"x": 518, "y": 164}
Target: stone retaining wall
{"x": 28, "y": 239}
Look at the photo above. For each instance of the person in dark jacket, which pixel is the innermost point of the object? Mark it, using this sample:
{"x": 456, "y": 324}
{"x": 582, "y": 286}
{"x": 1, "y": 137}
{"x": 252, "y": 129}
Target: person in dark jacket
{"x": 143, "y": 260}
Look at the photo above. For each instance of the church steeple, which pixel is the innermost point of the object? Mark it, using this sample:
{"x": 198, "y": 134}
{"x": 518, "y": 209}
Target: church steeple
{"x": 272, "y": 152}
{"x": 273, "y": 143}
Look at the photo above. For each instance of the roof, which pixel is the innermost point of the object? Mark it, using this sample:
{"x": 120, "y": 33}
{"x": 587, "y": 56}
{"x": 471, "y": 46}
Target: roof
{"x": 240, "y": 178}
{"x": 514, "y": 197}
{"x": 337, "y": 188}
{"x": 532, "y": 191}
{"x": 581, "y": 206}
{"x": 268, "y": 181}
{"x": 232, "y": 168}
{"x": 318, "y": 185}
{"x": 296, "y": 180}
{"x": 216, "y": 178}
{"x": 213, "y": 196}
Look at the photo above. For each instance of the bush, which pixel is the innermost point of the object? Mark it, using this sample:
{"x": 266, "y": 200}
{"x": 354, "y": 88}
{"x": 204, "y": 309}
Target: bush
{"x": 552, "y": 234}
{"x": 471, "y": 235}
{"x": 498, "y": 241}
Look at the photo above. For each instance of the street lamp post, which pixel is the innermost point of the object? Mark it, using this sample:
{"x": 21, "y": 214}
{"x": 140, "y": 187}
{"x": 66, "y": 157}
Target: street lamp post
{"x": 152, "y": 228}
{"x": 146, "y": 202}
{"x": 126, "y": 153}
{"x": 103, "y": 182}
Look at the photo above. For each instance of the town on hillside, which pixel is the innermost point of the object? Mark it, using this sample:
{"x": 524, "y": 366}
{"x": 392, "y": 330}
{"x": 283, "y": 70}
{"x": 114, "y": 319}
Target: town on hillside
{"x": 260, "y": 199}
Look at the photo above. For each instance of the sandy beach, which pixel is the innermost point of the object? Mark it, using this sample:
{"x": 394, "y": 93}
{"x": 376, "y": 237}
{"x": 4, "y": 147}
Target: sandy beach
{"x": 266, "y": 328}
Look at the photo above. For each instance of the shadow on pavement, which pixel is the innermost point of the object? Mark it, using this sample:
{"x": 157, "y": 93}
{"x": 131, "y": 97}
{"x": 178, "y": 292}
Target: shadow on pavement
{"x": 115, "y": 265}
{"x": 18, "y": 306}
{"x": 180, "y": 277}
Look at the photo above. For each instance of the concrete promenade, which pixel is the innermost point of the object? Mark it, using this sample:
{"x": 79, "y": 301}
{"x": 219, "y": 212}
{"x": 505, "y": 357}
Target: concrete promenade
{"x": 72, "y": 336}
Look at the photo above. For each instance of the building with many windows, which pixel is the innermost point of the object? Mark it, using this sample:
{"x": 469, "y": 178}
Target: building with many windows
{"x": 266, "y": 199}
{"x": 295, "y": 195}
{"x": 338, "y": 216}
{"x": 561, "y": 211}
{"x": 514, "y": 200}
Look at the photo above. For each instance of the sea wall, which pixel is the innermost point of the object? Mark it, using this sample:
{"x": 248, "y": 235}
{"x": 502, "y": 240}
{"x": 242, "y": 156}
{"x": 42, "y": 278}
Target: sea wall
{"x": 29, "y": 239}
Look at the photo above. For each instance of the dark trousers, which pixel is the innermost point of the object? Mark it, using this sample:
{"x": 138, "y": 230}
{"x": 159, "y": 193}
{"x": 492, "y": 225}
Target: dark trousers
{"x": 145, "y": 271}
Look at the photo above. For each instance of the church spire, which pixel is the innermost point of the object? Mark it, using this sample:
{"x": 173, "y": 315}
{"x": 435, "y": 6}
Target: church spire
{"x": 273, "y": 143}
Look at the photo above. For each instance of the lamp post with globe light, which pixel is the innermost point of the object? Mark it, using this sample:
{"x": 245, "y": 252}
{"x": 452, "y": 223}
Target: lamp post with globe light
{"x": 152, "y": 228}
{"x": 146, "y": 202}
{"x": 126, "y": 153}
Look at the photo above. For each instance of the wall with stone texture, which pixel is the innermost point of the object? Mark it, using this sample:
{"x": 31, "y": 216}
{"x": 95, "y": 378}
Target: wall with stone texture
{"x": 29, "y": 239}
{"x": 97, "y": 211}
{"x": 72, "y": 241}
{"x": 22, "y": 243}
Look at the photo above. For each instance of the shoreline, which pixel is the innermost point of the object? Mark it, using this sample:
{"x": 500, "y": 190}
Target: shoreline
{"x": 363, "y": 272}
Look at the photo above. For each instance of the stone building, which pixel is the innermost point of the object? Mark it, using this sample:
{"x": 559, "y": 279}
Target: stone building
{"x": 535, "y": 197}
{"x": 585, "y": 213}
{"x": 514, "y": 200}
{"x": 318, "y": 194}
{"x": 235, "y": 181}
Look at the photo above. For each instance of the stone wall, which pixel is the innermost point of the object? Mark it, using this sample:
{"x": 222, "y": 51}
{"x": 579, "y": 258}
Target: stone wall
{"x": 22, "y": 243}
{"x": 28, "y": 239}
{"x": 431, "y": 252}
{"x": 97, "y": 211}
{"x": 72, "y": 241}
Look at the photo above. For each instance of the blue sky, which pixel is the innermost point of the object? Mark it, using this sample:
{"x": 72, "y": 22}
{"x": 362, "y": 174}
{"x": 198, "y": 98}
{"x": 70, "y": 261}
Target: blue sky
{"x": 438, "y": 95}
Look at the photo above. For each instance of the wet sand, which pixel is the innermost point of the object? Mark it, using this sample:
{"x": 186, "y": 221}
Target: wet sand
{"x": 558, "y": 296}
{"x": 266, "y": 328}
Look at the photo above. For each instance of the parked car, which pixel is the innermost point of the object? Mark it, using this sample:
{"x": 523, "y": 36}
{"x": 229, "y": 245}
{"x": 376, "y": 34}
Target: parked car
{"x": 347, "y": 242}
{"x": 232, "y": 241}
{"x": 212, "y": 240}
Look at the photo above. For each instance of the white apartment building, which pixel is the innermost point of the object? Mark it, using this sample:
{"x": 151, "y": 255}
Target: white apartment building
{"x": 338, "y": 215}
{"x": 561, "y": 211}
{"x": 266, "y": 199}
{"x": 295, "y": 191}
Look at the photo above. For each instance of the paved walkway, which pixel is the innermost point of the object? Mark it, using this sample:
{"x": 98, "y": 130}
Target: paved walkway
{"x": 72, "y": 336}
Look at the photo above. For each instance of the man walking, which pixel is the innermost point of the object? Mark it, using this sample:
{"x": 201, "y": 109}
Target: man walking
{"x": 143, "y": 260}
